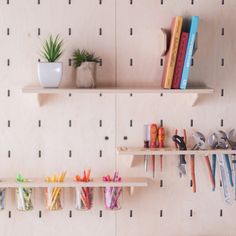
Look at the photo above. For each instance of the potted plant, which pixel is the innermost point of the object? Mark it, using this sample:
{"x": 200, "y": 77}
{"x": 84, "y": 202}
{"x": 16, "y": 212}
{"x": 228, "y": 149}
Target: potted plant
{"x": 50, "y": 72}
{"x": 85, "y": 65}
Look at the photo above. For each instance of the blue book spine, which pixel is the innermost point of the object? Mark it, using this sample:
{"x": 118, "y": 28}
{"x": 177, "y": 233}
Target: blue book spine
{"x": 189, "y": 52}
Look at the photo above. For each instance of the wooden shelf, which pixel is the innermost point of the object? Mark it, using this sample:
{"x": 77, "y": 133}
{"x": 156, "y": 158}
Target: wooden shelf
{"x": 39, "y": 90}
{"x": 130, "y": 183}
{"x": 137, "y": 151}
{"x": 133, "y": 152}
{"x": 194, "y": 92}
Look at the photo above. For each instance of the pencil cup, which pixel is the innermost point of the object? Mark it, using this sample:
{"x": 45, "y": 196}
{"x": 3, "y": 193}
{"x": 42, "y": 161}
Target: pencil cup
{"x": 83, "y": 198}
{"x": 24, "y": 199}
{"x": 53, "y": 198}
{"x": 2, "y": 198}
{"x": 112, "y": 196}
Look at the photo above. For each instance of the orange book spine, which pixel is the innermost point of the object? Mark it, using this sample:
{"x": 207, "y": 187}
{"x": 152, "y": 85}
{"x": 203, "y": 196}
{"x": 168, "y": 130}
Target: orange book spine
{"x": 171, "y": 56}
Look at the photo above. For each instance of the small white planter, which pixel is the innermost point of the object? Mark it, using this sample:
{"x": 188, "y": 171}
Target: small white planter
{"x": 86, "y": 75}
{"x": 50, "y": 74}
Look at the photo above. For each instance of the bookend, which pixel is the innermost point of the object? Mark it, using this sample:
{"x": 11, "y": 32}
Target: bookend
{"x": 165, "y": 41}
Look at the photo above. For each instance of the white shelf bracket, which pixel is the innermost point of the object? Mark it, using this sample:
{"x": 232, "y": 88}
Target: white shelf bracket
{"x": 131, "y": 191}
{"x": 131, "y": 161}
{"x": 40, "y": 99}
{"x": 43, "y": 98}
{"x": 194, "y": 99}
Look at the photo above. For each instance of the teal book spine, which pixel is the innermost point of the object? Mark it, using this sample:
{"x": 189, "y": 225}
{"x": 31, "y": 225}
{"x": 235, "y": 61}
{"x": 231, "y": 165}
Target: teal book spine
{"x": 189, "y": 51}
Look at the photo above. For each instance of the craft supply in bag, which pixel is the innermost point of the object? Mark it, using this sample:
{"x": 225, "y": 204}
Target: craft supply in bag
{"x": 83, "y": 195}
{"x": 2, "y": 198}
{"x": 53, "y": 195}
{"x": 84, "y": 198}
{"x": 24, "y": 196}
{"x": 24, "y": 201}
{"x": 112, "y": 198}
{"x": 112, "y": 194}
{"x": 53, "y": 198}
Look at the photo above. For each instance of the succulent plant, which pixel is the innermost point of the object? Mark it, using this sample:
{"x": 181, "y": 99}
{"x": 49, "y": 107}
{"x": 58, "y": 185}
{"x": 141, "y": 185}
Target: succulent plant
{"x": 52, "y": 48}
{"x": 80, "y": 56}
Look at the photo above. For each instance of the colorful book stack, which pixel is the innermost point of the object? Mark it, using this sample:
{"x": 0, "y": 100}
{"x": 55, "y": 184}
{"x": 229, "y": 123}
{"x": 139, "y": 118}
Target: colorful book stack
{"x": 179, "y": 55}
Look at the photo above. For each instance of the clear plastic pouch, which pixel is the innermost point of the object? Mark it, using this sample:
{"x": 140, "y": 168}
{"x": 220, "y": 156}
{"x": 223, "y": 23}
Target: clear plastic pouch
{"x": 83, "y": 198}
{"x": 53, "y": 198}
{"x": 112, "y": 196}
{"x": 2, "y": 198}
{"x": 24, "y": 199}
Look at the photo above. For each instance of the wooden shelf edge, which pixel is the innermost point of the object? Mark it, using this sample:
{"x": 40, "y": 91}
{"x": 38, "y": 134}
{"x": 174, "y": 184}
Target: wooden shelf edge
{"x": 158, "y": 90}
{"x": 137, "y": 151}
{"x": 69, "y": 183}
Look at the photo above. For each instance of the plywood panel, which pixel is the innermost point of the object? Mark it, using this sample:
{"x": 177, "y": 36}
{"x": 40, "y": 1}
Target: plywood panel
{"x": 65, "y": 133}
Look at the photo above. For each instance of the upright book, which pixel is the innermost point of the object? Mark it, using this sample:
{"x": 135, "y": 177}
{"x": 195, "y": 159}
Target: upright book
{"x": 180, "y": 60}
{"x": 189, "y": 52}
{"x": 171, "y": 55}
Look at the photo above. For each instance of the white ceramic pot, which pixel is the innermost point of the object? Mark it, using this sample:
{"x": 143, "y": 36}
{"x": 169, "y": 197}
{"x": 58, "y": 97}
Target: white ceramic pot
{"x": 86, "y": 75}
{"x": 50, "y": 74}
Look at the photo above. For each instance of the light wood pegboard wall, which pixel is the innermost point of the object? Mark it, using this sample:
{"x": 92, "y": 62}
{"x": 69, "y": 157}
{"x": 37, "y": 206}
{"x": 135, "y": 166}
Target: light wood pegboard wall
{"x": 80, "y": 131}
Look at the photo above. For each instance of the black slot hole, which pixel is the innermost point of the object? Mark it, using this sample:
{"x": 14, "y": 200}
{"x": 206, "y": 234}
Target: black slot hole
{"x": 222, "y": 123}
{"x": 131, "y": 31}
{"x": 131, "y": 214}
{"x": 161, "y": 123}
{"x": 191, "y": 123}
{"x": 191, "y": 213}
{"x": 222, "y": 92}
{"x": 222, "y": 61}
{"x": 223, "y": 31}
{"x": 161, "y": 183}
{"x": 131, "y": 62}
{"x": 131, "y": 123}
